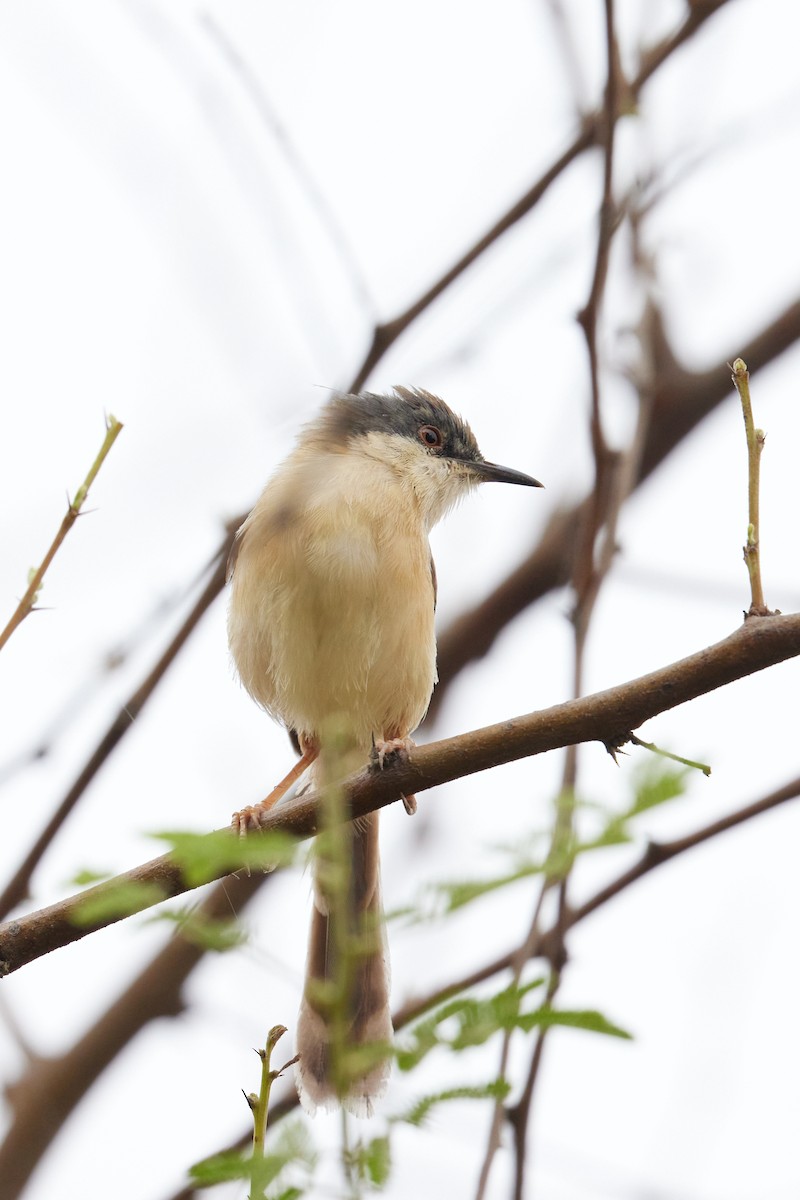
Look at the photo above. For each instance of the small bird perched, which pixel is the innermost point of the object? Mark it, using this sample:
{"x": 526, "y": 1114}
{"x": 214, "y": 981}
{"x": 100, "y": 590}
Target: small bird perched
{"x": 331, "y": 620}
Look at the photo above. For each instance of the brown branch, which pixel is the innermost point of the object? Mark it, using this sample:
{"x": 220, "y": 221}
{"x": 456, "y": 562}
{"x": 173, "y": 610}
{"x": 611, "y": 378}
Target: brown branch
{"x": 519, "y": 1114}
{"x": 654, "y": 57}
{"x": 605, "y": 499}
{"x": 17, "y": 888}
{"x": 605, "y": 716}
{"x": 656, "y": 854}
{"x": 698, "y": 14}
{"x": 26, "y": 604}
{"x": 550, "y": 568}
{"x": 254, "y": 89}
{"x": 521, "y": 957}
{"x": 614, "y": 477}
{"x": 681, "y": 400}
{"x": 52, "y": 1087}
{"x": 386, "y": 334}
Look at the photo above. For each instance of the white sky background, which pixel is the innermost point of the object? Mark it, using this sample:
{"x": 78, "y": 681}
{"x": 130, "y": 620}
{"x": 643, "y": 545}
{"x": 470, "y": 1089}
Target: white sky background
{"x": 161, "y": 258}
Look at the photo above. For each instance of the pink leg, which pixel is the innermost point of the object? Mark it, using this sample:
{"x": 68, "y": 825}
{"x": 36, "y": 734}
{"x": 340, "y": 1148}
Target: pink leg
{"x": 249, "y": 818}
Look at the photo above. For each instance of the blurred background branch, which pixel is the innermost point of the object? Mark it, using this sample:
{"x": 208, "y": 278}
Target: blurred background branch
{"x": 284, "y": 196}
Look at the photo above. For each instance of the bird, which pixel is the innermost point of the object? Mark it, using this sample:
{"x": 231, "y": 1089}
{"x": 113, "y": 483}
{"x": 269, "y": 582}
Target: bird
{"x": 331, "y": 625}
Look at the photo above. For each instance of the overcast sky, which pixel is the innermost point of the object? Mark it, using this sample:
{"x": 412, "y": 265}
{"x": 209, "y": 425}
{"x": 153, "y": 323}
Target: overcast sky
{"x": 205, "y": 209}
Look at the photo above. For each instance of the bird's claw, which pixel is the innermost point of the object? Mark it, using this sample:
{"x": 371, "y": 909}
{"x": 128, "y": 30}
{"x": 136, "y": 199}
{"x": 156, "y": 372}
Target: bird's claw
{"x": 248, "y": 819}
{"x": 391, "y": 753}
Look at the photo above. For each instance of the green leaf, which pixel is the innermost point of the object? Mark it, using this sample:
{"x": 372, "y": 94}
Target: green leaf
{"x": 464, "y": 1021}
{"x": 459, "y": 893}
{"x": 293, "y": 1140}
{"x": 214, "y": 935}
{"x": 615, "y": 833}
{"x": 373, "y": 1161}
{"x": 470, "y": 1021}
{"x": 206, "y": 856}
{"x": 588, "y": 1019}
{"x": 116, "y": 899}
{"x": 653, "y": 785}
{"x": 221, "y": 1168}
{"x": 86, "y": 877}
{"x": 291, "y": 1147}
{"x": 498, "y": 1089}
{"x": 656, "y": 786}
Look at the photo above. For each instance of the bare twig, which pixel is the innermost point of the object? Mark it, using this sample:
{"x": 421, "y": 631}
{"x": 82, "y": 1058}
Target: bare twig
{"x": 108, "y": 661}
{"x": 17, "y": 887}
{"x": 56, "y": 1085}
{"x": 26, "y": 604}
{"x": 386, "y": 334}
{"x": 567, "y": 47}
{"x": 519, "y": 1114}
{"x": 656, "y": 854}
{"x": 755, "y": 444}
{"x": 687, "y": 398}
{"x": 256, "y": 92}
{"x": 680, "y": 401}
{"x": 589, "y": 573}
{"x": 522, "y": 955}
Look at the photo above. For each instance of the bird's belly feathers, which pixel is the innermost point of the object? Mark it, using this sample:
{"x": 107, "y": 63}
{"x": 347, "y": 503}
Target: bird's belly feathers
{"x": 331, "y": 621}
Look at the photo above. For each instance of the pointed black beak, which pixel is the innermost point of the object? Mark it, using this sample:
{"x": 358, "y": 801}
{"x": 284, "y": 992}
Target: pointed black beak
{"x": 492, "y": 473}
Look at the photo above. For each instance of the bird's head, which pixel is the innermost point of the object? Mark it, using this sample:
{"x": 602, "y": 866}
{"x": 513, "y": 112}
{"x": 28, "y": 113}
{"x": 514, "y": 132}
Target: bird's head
{"x": 419, "y": 437}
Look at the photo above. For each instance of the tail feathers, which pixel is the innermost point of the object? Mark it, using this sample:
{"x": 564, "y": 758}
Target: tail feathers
{"x": 345, "y": 1026}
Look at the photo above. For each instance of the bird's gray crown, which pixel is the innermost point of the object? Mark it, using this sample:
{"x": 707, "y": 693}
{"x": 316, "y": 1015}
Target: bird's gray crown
{"x": 401, "y": 412}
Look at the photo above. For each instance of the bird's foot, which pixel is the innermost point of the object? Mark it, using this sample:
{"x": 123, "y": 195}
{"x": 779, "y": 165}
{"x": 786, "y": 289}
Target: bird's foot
{"x": 391, "y": 753}
{"x": 248, "y": 819}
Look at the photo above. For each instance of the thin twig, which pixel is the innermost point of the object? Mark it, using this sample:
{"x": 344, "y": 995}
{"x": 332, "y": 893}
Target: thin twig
{"x": 656, "y": 854}
{"x": 108, "y": 661}
{"x": 55, "y": 1086}
{"x": 566, "y": 45}
{"x": 680, "y": 401}
{"x": 259, "y": 1106}
{"x": 26, "y": 604}
{"x": 688, "y": 398}
{"x": 17, "y": 888}
{"x": 755, "y": 444}
{"x": 522, "y": 956}
{"x": 386, "y": 334}
{"x": 256, "y": 92}
{"x": 589, "y": 574}
{"x": 519, "y": 1114}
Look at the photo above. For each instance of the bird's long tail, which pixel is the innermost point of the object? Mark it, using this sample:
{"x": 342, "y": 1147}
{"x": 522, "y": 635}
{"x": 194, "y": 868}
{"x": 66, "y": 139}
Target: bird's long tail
{"x": 345, "y": 1027}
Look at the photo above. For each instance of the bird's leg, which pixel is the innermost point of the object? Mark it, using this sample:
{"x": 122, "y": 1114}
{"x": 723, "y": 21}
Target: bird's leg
{"x": 389, "y": 752}
{"x": 249, "y": 819}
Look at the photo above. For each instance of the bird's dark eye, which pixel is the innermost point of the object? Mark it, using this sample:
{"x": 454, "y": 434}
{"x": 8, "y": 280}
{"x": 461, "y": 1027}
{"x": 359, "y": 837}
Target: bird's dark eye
{"x": 431, "y": 437}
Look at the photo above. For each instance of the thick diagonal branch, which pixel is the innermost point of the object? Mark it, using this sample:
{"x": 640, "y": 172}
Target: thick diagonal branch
{"x": 605, "y": 716}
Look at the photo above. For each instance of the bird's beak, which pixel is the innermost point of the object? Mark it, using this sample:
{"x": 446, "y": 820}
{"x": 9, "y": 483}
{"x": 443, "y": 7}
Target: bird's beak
{"x": 491, "y": 472}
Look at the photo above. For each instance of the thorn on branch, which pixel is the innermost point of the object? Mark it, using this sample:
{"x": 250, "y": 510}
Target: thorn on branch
{"x": 614, "y": 745}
